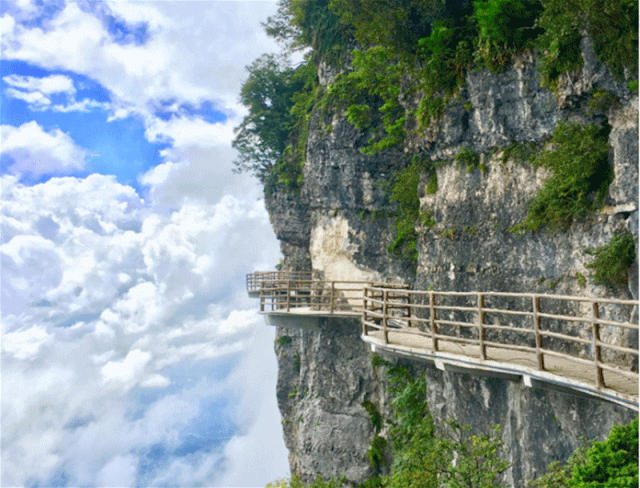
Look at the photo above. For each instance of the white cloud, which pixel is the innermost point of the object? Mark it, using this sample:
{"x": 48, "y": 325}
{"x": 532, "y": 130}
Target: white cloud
{"x": 120, "y": 471}
{"x": 118, "y": 308}
{"x": 37, "y": 152}
{"x": 24, "y": 344}
{"x": 35, "y": 99}
{"x": 127, "y": 370}
{"x": 121, "y": 299}
{"x": 47, "y": 85}
{"x": 196, "y": 51}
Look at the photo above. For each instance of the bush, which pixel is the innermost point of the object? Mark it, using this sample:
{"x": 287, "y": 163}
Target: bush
{"x": 612, "y": 261}
{"x": 612, "y": 463}
{"x": 612, "y": 24}
{"x": 579, "y": 162}
{"x": 374, "y": 415}
{"x": 405, "y": 194}
{"x": 506, "y": 27}
{"x": 602, "y": 101}
{"x": 466, "y": 157}
{"x": 283, "y": 341}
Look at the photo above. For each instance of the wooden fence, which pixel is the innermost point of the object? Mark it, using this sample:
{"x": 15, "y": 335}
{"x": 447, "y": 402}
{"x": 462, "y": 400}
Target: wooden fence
{"x": 483, "y": 324}
{"x": 590, "y": 340}
{"x": 257, "y": 279}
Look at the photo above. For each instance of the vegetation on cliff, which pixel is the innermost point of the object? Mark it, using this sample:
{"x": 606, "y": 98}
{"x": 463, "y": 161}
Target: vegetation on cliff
{"x": 612, "y": 463}
{"x": 452, "y": 456}
{"x": 392, "y": 68}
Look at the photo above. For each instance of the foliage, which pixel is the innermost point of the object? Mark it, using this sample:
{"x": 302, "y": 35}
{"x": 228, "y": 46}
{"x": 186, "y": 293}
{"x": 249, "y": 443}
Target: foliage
{"x": 272, "y": 137}
{"x": 376, "y": 454}
{"x": 405, "y": 193}
{"x": 422, "y": 458}
{"x": 378, "y": 361}
{"x": 283, "y": 341}
{"x": 466, "y": 157}
{"x": 506, "y": 27}
{"x": 295, "y": 482}
{"x": 374, "y": 415}
{"x": 612, "y": 24}
{"x": 580, "y": 177}
{"x": 399, "y": 24}
{"x": 612, "y": 261}
{"x": 310, "y": 23}
{"x": 520, "y": 152}
{"x": 612, "y": 463}
{"x": 602, "y": 101}
{"x": 432, "y": 187}
{"x": 296, "y": 362}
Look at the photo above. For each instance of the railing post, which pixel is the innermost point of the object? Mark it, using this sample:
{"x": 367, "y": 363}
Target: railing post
{"x": 434, "y": 327}
{"x": 262, "y": 297}
{"x": 385, "y": 332}
{"x": 365, "y": 294}
{"x": 288, "y": 295}
{"x": 333, "y": 287}
{"x": 536, "y": 330}
{"x": 597, "y": 356}
{"x": 481, "y": 329}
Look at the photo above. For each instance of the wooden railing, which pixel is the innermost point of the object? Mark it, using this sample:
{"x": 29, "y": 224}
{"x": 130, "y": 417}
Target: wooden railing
{"x": 591, "y": 341}
{"x": 314, "y": 296}
{"x": 256, "y": 279}
{"x": 493, "y": 326}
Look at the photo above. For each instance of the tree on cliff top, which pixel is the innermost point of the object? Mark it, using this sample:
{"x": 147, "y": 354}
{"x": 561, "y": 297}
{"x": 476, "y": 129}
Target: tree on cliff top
{"x": 264, "y": 134}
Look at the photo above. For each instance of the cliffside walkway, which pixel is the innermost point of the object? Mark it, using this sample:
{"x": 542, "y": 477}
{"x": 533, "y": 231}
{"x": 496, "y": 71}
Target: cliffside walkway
{"x": 578, "y": 345}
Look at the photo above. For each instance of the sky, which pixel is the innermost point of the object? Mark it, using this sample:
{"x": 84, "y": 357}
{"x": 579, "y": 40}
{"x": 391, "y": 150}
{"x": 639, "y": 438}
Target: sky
{"x": 131, "y": 353}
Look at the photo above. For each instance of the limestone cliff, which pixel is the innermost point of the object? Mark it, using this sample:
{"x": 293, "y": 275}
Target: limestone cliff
{"x": 330, "y": 227}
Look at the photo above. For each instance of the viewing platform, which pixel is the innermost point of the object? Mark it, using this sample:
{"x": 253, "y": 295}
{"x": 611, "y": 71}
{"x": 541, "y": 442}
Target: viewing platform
{"x": 577, "y": 345}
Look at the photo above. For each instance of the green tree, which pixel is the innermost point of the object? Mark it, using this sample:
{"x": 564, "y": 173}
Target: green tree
{"x": 279, "y": 99}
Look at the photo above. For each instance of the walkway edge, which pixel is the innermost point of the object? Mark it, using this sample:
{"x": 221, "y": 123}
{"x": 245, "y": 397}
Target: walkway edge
{"x": 530, "y": 377}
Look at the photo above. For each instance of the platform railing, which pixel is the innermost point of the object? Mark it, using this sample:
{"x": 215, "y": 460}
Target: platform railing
{"x": 256, "y": 279}
{"x": 601, "y": 343}
{"x": 315, "y": 296}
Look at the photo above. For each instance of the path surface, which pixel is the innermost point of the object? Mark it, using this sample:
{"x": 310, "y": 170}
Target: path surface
{"x": 561, "y": 370}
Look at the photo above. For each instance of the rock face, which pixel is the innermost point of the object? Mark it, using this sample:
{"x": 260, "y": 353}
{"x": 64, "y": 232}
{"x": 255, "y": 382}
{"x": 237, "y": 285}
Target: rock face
{"x": 334, "y": 228}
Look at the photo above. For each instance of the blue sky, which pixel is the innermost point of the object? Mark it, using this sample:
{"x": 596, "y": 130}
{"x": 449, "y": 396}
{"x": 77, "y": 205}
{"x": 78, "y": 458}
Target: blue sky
{"x": 131, "y": 355}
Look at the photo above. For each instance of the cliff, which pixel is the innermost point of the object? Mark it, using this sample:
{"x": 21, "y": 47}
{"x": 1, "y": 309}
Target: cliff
{"x": 337, "y": 226}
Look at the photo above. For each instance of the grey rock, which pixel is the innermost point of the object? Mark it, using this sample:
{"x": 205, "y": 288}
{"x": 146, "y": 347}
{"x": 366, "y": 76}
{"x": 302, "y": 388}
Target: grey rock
{"x": 325, "y": 427}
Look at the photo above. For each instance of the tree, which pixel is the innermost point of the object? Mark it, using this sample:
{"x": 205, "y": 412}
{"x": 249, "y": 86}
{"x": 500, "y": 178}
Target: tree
{"x": 263, "y": 135}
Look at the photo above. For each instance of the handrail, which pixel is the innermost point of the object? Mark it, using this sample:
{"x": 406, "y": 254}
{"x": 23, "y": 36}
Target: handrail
{"x": 587, "y": 338}
{"x": 319, "y": 296}
{"x": 426, "y": 315}
{"x": 255, "y": 279}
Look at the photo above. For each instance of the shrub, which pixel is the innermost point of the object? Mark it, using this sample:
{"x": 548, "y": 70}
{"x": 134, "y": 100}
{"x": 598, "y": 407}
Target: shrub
{"x": 374, "y": 415}
{"x": 467, "y": 157}
{"x": 296, "y": 362}
{"x": 612, "y": 261}
{"x": 612, "y": 24}
{"x": 376, "y": 454}
{"x": 506, "y": 27}
{"x": 405, "y": 193}
{"x": 283, "y": 341}
{"x": 580, "y": 177}
{"x": 602, "y": 101}
{"x": 612, "y": 463}
{"x": 432, "y": 187}
{"x": 520, "y": 152}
